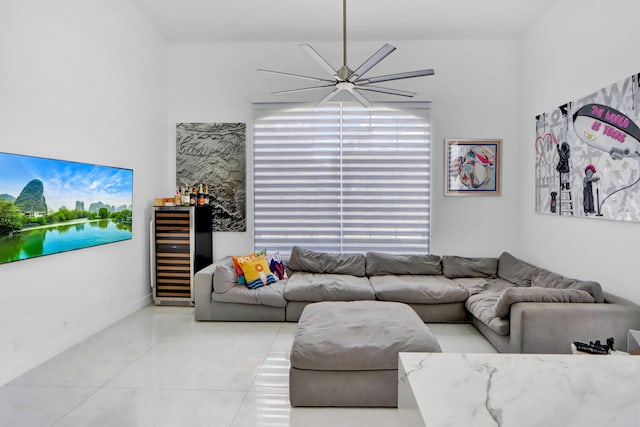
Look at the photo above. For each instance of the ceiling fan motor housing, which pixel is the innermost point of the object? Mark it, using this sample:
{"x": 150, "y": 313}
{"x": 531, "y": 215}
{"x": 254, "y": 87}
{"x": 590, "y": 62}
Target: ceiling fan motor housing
{"x": 344, "y": 72}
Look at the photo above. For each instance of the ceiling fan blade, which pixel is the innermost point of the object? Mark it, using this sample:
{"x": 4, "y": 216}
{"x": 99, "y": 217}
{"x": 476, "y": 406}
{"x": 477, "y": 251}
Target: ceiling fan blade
{"x": 360, "y": 98}
{"x": 302, "y": 89}
{"x": 387, "y": 90}
{"x": 398, "y": 76}
{"x": 328, "y": 97}
{"x": 382, "y": 53}
{"x": 299, "y": 76}
{"x": 320, "y": 60}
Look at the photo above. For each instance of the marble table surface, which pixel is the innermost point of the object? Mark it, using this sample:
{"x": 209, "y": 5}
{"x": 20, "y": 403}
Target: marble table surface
{"x": 456, "y": 389}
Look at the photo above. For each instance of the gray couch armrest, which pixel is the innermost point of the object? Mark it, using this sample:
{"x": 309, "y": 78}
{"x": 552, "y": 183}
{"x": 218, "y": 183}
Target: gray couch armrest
{"x": 552, "y": 327}
{"x": 203, "y": 287}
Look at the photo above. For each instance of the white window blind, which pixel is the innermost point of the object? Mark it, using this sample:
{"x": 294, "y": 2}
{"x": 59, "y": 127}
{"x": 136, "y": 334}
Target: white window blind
{"x": 342, "y": 178}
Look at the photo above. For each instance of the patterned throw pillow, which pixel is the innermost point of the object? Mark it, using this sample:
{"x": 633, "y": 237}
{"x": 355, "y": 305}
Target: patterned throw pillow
{"x": 236, "y": 264}
{"x": 256, "y": 272}
{"x": 276, "y": 265}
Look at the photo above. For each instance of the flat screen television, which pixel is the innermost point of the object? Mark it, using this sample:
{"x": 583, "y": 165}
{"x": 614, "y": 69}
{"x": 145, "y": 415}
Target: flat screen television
{"x": 49, "y": 206}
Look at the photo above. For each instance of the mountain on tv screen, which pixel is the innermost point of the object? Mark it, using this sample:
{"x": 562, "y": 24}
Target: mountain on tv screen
{"x": 49, "y": 206}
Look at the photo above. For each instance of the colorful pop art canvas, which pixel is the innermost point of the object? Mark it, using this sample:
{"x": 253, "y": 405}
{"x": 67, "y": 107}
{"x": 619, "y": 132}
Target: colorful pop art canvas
{"x": 588, "y": 155}
{"x": 472, "y": 167}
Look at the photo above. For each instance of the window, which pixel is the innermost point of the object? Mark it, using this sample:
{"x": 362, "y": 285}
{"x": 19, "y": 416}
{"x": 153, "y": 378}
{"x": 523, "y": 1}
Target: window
{"x": 342, "y": 178}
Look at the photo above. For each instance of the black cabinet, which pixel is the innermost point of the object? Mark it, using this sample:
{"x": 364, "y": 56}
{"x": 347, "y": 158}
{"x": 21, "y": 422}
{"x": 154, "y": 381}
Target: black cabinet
{"x": 203, "y": 237}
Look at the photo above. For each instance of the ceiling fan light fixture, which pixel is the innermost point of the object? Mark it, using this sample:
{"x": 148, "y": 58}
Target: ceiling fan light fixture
{"x": 345, "y": 85}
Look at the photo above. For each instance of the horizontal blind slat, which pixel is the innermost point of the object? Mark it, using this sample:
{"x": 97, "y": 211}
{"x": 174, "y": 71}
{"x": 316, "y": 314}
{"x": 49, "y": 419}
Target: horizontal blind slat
{"x": 342, "y": 178}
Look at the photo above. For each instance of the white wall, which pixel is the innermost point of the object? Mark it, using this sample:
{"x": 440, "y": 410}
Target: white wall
{"x": 578, "y": 47}
{"x": 81, "y": 80}
{"x": 474, "y": 94}
{"x": 86, "y": 80}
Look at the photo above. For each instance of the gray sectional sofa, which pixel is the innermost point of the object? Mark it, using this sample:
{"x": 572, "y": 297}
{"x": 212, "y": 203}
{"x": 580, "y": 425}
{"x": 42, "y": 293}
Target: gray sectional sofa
{"x": 518, "y": 307}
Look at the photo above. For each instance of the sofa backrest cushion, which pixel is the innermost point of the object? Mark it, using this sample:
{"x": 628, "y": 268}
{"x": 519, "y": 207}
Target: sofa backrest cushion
{"x": 514, "y": 270}
{"x": 456, "y": 266}
{"x": 323, "y": 262}
{"x": 378, "y": 264}
{"x": 547, "y": 279}
{"x": 535, "y": 294}
{"x": 224, "y": 278}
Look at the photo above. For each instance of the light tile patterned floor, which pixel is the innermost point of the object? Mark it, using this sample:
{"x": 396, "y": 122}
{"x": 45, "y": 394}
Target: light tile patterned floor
{"x": 158, "y": 367}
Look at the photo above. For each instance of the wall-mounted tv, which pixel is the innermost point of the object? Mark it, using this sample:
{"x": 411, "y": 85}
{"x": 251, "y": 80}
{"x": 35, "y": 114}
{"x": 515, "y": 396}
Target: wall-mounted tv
{"x": 49, "y": 206}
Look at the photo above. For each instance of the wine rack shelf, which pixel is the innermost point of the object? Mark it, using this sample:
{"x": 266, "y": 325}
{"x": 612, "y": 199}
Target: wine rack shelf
{"x": 178, "y": 244}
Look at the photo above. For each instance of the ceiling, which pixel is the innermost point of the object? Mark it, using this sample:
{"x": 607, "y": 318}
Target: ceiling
{"x": 202, "y": 21}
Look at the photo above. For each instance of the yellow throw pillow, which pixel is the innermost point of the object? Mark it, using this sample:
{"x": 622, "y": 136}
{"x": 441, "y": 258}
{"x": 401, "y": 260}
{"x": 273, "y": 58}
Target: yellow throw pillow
{"x": 256, "y": 272}
{"x": 236, "y": 264}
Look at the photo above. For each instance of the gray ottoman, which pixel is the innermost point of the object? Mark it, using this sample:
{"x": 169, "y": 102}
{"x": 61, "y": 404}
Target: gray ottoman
{"x": 346, "y": 353}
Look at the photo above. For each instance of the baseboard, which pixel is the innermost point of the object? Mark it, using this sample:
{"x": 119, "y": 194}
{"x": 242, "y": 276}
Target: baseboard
{"x": 29, "y": 362}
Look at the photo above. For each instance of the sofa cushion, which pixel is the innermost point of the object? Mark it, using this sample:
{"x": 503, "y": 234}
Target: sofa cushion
{"x": 514, "y": 270}
{"x": 277, "y": 266}
{"x": 477, "y": 285}
{"x": 482, "y": 307}
{"x": 271, "y": 295}
{"x": 415, "y": 289}
{"x": 256, "y": 272}
{"x": 302, "y": 286}
{"x": 536, "y": 294}
{"x": 236, "y": 264}
{"x": 224, "y": 278}
{"x": 547, "y": 279}
{"x": 592, "y": 287}
{"x": 457, "y": 266}
{"x": 323, "y": 262}
{"x": 378, "y": 263}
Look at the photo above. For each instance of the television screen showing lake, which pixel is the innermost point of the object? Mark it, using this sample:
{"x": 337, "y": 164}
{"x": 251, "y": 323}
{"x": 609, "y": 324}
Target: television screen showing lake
{"x": 49, "y": 206}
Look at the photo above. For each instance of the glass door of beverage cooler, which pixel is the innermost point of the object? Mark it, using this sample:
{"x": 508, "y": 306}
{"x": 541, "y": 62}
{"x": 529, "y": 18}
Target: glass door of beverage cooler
{"x": 181, "y": 245}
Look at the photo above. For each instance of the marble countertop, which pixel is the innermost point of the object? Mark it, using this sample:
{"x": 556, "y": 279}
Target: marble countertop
{"x": 453, "y": 389}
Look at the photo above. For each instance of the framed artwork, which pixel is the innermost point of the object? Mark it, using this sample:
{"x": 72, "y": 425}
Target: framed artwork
{"x": 49, "y": 206}
{"x": 472, "y": 167}
{"x": 213, "y": 154}
{"x": 588, "y": 155}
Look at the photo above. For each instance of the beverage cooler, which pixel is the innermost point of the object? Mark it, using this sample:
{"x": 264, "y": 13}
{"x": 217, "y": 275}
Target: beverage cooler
{"x": 181, "y": 245}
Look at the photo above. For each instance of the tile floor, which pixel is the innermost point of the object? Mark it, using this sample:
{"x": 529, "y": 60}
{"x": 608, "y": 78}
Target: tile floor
{"x": 158, "y": 367}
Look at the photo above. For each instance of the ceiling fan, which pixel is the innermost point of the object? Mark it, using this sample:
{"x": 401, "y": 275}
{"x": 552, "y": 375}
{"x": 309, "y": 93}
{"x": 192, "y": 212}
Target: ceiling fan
{"x": 346, "y": 79}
